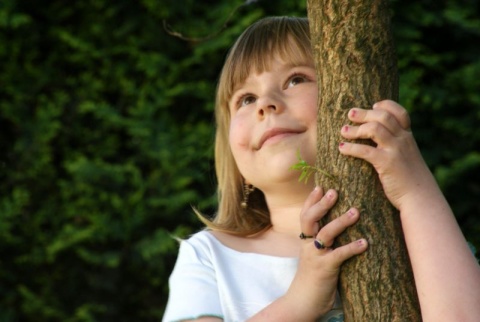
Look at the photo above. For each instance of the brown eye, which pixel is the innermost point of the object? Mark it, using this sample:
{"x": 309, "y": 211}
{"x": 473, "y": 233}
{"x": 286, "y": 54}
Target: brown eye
{"x": 296, "y": 79}
{"x": 246, "y": 100}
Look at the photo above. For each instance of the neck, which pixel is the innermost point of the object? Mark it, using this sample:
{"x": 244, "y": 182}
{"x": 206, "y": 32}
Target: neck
{"x": 285, "y": 207}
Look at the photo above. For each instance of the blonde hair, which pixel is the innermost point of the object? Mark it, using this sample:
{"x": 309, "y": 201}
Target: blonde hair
{"x": 287, "y": 38}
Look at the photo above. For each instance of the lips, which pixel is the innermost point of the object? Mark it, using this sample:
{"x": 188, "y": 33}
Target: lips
{"x": 275, "y": 132}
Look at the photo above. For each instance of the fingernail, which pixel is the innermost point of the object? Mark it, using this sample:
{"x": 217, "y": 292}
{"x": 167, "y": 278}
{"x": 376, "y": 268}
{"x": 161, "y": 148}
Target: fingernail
{"x": 330, "y": 194}
{"x": 353, "y": 113}
{"x": 351, "y": 213}
{"x": 345, "y": 128}
{"x": 361, "y": 242}
{"x": 341, "y": 145}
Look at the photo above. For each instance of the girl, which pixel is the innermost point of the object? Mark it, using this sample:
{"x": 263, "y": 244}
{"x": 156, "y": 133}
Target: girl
{"x": 249, "y": 263}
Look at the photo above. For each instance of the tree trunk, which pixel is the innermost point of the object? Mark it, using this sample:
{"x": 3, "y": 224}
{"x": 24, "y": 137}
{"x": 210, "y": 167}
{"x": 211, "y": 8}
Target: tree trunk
{"x": 356, "y": 67}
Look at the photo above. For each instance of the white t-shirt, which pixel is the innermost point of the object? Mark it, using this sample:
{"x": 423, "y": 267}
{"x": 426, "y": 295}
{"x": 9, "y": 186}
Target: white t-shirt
{"x": 210, "y": 279}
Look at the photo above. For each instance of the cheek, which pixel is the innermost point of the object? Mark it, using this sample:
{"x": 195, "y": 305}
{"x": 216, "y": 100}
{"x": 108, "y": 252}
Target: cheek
{"x": 239, "y": 137}
{"x": 312, "y": 103}
{"x": 309, "y": 109}
{"x": 309, "y": 115}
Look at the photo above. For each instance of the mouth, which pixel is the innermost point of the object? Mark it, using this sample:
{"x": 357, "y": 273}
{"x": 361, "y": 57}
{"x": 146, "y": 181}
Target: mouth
{"x": 274, "y": 134}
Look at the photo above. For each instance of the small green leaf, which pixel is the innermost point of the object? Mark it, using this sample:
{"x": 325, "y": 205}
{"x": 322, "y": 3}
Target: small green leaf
{"x": 307, "y": 170}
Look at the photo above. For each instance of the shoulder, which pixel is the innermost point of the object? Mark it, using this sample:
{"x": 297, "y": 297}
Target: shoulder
{"x": 208, "y": 240}
{"x": 202, "y": 240}
{"x": 214, "y": 248}
{"x": 226, "y": 243}
{"x": 201, "y": 246}
{"x": 195, "y": 273}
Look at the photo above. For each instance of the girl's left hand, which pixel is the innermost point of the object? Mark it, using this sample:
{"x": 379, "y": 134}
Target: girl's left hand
{"x": 396, "y": 157}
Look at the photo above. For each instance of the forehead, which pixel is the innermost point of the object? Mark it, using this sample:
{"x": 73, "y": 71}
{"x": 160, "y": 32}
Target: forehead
{"x": 258, "y": 59}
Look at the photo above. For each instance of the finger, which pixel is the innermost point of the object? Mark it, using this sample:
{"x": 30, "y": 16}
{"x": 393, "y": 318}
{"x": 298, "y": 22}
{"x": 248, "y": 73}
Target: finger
{"x": 330, "y": 231}
{"x": 362, "y": 151}
{"x": 341, "y": 254}
{"x": 316, "y": 206}
{"x": 306, "y": 226}
{"x": 400, "y": 113}
{"x": 313, "y": 198}
{"x": 373, "y": 130}
{"x": 383, "y": 117}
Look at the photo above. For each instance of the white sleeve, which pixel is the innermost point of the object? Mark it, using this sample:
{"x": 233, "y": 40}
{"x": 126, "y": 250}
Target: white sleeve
{"x": 193, "y": 290}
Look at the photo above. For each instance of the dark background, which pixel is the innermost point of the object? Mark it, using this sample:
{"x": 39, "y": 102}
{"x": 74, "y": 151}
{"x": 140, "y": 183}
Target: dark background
{"x": 107, "y": 132}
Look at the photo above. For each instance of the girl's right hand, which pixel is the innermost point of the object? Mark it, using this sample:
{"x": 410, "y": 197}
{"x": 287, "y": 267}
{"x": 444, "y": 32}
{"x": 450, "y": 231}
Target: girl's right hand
{"x": 313, "y": 290}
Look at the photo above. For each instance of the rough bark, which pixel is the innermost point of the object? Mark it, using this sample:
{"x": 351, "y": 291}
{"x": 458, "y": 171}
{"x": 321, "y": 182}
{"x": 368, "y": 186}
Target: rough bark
{"x": 356, "y": 67}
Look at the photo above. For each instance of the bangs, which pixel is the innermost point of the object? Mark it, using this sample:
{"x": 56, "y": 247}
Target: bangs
{"x": 287, "y": 38}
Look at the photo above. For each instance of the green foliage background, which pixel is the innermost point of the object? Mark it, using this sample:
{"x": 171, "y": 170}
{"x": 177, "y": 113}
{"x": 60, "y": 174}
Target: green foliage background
{"x": 107, "y": 130}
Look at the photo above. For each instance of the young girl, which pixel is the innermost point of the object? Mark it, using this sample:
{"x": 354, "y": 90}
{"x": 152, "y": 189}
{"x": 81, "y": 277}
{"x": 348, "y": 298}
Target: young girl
{"x": 250, "y": 264}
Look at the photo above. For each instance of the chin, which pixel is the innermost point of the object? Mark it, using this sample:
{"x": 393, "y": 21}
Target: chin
{"x": 280, "y": 168}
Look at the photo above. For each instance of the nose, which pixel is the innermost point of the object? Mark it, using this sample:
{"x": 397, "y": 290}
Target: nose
{"x": 268, "y": 104}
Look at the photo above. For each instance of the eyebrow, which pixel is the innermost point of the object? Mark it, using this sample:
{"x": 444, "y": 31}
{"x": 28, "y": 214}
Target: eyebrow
{"x": 284, "y": 68}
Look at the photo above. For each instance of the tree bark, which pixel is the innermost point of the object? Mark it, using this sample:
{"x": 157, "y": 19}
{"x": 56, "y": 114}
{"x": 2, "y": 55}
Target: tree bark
{"x": 356, "y": 67}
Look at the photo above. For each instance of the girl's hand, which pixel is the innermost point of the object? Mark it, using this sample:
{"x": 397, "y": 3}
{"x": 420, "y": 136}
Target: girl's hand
{"x": 312, "y": 292}
{"x": 396, "y": 157}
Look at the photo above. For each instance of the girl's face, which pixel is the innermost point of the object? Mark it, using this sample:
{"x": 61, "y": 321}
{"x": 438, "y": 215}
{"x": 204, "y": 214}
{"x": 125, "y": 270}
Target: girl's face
{"x": 273, "y": 116}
